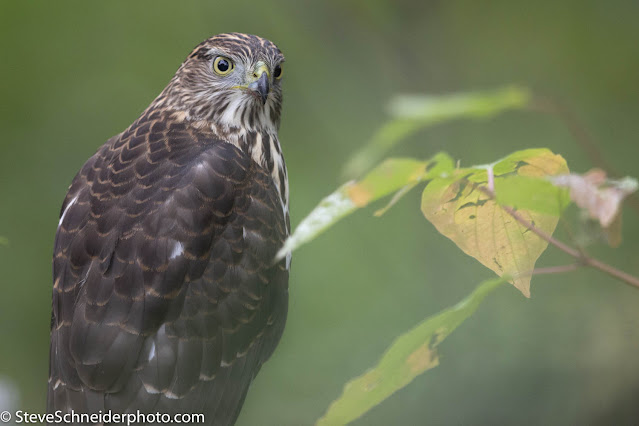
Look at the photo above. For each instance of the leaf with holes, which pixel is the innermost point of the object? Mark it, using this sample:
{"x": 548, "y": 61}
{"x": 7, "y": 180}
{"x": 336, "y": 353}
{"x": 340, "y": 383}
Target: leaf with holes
{"x": 410, "y": 355}
{"x": 459, "y": 209}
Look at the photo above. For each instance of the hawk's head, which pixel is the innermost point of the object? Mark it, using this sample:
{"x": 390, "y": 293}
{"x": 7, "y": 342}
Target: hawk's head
{"x": 231, "y": 80}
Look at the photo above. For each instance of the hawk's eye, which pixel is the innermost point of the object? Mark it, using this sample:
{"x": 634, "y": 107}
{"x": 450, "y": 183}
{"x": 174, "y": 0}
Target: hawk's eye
{"x": 222, "y": 65}
{"x": 277, "y": 72}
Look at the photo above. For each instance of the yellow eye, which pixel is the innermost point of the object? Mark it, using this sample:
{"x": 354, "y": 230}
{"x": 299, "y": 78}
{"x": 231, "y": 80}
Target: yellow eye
{"x": 277, "y": 72}
{"x": 222, "y": 65}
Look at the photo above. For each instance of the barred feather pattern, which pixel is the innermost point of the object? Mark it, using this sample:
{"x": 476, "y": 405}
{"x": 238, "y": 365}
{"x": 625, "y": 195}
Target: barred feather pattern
{"x": 205, "y": 100}
{"x": 166, "y": 298}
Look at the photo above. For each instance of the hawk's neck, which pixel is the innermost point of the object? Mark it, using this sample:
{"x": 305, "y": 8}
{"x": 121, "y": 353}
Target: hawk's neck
{"x": 264, "y": 148}
{"x": 260, "y": 143}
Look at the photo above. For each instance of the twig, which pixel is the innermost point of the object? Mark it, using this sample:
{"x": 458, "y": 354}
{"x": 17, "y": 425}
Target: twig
{"x": 581, "y": 136}
{"x": 581, "y": 257}
{"x": 549, "y": 270}
{"x": 621, "y": 275}
{"x": 543, "y": 235}
{"x": 555, "y": 269}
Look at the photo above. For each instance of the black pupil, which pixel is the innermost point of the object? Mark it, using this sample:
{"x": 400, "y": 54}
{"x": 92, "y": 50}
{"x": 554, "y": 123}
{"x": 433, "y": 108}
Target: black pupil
{"x": 278, "y": 72}
{"x": 223, "y": 65}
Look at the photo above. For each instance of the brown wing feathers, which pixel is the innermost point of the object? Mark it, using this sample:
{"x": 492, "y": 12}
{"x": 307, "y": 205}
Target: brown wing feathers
{"x": 165, "y": 296}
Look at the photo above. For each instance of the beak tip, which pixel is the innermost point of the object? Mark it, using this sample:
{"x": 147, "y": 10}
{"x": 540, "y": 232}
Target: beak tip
{"x": 263, "y": 87}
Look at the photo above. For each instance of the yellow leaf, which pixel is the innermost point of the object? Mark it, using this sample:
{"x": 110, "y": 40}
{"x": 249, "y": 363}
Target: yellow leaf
{"x": 482, "y": 228}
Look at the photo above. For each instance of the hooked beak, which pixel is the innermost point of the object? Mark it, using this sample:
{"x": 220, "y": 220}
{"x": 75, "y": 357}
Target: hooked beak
{"x": 260, "y": 84}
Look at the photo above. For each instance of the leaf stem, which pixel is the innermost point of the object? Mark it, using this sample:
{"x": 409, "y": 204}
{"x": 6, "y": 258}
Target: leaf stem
{"x": 543, "y": 235}
{"x": 581, "y": 257}
{"x": 556, "y": 269}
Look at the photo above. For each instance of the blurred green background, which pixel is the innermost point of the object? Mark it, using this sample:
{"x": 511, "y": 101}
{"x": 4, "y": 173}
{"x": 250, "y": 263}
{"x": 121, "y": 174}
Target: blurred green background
{"x": 75, "y": 73}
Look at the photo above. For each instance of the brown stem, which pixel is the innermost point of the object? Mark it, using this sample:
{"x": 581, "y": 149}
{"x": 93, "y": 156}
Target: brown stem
{"x": 551, "y": 270}
{"x": 581, "y": 136}
{"x": 543, "y": 235}
{"x": 581, "y": 257}
{"x": 620, "y": 275}
{"x": 556, "y": 269}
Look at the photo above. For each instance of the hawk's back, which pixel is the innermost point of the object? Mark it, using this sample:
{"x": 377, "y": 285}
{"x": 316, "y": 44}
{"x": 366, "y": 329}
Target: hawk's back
{"x": 166, "y": 298}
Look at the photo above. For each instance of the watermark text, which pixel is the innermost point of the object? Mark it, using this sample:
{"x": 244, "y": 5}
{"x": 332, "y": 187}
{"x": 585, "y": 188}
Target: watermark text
{"x": 107, "y": 417}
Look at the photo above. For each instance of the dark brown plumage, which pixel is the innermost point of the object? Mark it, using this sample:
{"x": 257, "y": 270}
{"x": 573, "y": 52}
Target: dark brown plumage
{"x": 166, "y": 298}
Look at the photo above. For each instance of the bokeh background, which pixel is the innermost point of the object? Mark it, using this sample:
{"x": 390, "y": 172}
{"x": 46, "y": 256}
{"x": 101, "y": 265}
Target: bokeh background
{"x": 74, "y": 73}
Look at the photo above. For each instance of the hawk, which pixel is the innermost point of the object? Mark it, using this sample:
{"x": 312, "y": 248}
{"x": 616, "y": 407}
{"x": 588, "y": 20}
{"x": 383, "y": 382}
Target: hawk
{"x": 166, "y": 296}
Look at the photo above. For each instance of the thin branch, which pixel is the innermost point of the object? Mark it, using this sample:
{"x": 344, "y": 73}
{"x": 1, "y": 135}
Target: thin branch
{"x": 621, "y": 275}
{"x": 581, "y": 257}
{"x": 556, "y": 269}
{"x": 578, "y": 130}
{"x": 550, "y": 270}
{"x": 543, "y": 235}
{"x": 581, "y": 136}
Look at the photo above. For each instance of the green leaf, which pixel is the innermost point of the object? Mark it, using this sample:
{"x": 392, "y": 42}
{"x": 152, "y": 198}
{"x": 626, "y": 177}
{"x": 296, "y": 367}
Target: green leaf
{"x": 531, "y": 193}
{"x": 330, "y": 210}
{"x": 459, "y": 105}
{"x": 389, "y": 135}
{"x": 473, "y": 220}
{"x": 413, "y": 113}
{"x": 386, "y": 178}
{"x": 410, "y": 355}
{"x": 4, "y": 241}
{"x": 440, "y": 165}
